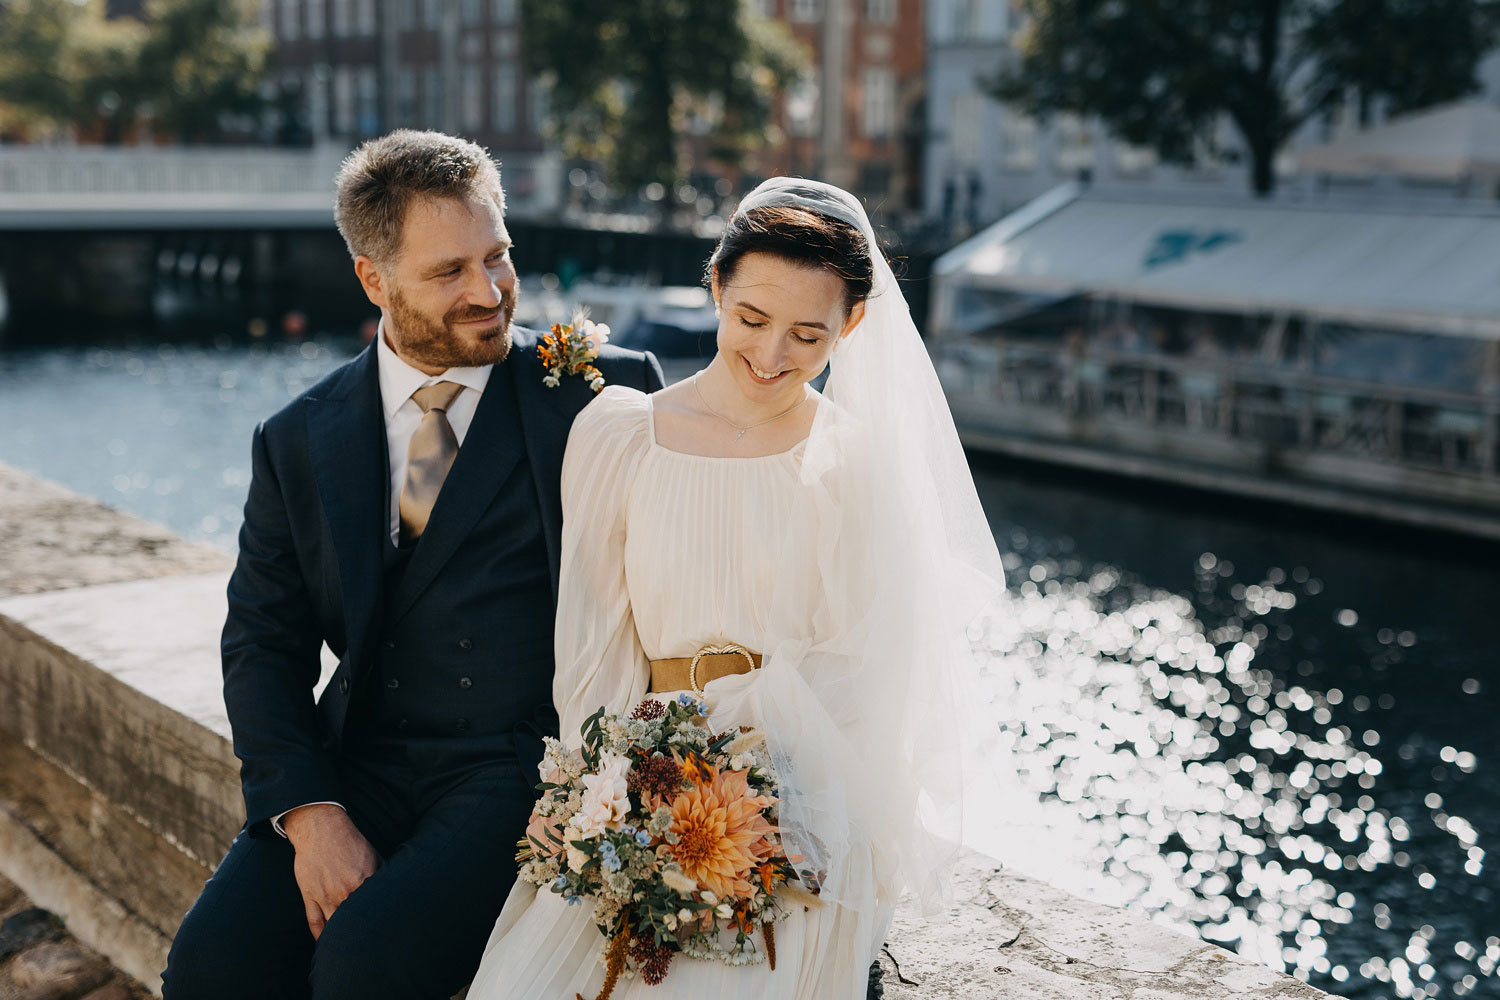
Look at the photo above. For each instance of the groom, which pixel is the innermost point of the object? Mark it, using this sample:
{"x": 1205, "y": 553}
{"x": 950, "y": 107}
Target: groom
{"x": 405, "y": 511}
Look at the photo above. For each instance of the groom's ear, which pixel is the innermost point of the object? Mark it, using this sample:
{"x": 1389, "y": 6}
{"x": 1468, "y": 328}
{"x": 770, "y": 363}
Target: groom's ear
{"x": 371, "y": 280}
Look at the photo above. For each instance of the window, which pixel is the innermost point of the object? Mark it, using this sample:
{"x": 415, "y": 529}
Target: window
{"x": 969, "y": 20}
{"x": 343, "y": 100}
{"x": 1018, "y": 142}
{"x": 314, "y": 18}
{"x": 406, "y": 96}
{"x": 471, "y": 99}
{"x": 802, "y": 105}
{"x": 408, "y": 18}
{"x": 504, "y": 11}
{"x": 878, "y": 105}
{"x": 367, "y": 17}
{"x": 432, "y": 98}
{"x": 507, "y": 87}
{"x": 965, "y": 129}
{"x": 1072, "y": 144}
{"x": 432, "y": 13}
{"x": 538, "y": 106}
{"x": 368, "y": 122}
{"x": 1133, "y": 161}
{"x": 288, "y": 20}
{"x": 880, "y": 11}
{"x": 473, "y": 11}
{"x": 763, "y": 8}
{"x": 875, "y": 181}
{"x": 268, "y": 16}
{"x": 343, "y": 18}
{"x": 807, "y": 10}
{"x": 315, "y": 86}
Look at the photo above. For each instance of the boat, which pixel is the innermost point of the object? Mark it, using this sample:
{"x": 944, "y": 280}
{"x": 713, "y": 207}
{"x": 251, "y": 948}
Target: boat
{"x": 1337, "y": 356}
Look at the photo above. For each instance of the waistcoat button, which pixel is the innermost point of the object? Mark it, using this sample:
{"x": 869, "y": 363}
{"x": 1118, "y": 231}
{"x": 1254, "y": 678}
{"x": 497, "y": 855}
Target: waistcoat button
{"x": 466, "y": 644}
{"x": 463, "y": 725}
{"x": 343, "y": 685}
{"x": 393, "y": 684}
{"x": 465, "y": 683}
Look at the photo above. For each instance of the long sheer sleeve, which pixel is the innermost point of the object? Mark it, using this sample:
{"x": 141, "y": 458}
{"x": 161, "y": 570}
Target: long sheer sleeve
{"x": 599, "y": 657}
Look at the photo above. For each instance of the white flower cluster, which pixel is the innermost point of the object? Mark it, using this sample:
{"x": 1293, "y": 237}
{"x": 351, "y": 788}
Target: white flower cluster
{"x": 557, "y": 757}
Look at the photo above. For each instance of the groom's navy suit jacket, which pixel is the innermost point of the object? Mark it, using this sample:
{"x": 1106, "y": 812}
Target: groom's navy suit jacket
{"x": 447, "y": 649}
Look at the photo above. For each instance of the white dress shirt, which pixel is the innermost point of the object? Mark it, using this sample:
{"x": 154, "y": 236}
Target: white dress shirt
{"x": 398, "y": 380}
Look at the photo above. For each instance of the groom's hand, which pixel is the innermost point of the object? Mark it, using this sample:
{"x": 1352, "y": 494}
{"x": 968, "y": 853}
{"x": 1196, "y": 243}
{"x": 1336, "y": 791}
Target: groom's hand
{"x": 333, "y": 858}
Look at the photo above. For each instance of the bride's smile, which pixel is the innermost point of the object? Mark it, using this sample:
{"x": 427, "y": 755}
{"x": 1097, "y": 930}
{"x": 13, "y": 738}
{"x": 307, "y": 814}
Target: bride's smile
{"x": 779, "y": 321}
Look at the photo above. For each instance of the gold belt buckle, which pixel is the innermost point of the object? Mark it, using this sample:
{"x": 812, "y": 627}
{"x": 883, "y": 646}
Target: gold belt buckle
{"x": 715, "y": 651}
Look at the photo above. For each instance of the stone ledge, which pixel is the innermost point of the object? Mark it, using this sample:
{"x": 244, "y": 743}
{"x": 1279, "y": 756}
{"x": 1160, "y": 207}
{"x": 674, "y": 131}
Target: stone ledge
{"x": 54, "y": 539}
{"x": 118, "y": 789}
{"x": 1010, "y": 935}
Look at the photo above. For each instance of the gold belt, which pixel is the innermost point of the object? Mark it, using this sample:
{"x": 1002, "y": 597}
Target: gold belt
{"x": 690, "y": 673}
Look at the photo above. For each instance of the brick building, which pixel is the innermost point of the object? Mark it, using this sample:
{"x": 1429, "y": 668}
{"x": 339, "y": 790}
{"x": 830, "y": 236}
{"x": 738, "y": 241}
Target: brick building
{"x": 348, "y": 69}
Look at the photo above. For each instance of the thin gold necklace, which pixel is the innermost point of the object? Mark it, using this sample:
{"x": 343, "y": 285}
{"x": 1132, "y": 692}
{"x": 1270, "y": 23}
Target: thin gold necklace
{"x": 731, "y": 423}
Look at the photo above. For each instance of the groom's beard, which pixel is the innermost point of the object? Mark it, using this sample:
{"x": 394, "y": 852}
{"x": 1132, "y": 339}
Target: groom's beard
{"x": 438, "y": 344}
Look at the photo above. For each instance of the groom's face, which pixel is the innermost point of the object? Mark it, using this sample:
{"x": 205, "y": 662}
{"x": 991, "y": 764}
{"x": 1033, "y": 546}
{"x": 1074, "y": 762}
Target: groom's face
{"x": 449, "y": 295}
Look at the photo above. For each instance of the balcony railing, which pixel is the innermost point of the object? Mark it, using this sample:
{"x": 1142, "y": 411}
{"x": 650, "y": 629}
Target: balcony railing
{"x": 1430, "y": 429}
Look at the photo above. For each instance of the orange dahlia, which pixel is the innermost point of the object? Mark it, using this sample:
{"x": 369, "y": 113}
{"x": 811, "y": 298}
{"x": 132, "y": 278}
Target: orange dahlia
{"x": 722, "y": 832}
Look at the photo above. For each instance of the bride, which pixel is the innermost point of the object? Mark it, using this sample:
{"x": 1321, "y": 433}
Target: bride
{"x": 836, "y": 538}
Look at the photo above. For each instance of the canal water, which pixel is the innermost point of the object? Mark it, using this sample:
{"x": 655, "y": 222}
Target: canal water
{"x": 1274, "y": 732}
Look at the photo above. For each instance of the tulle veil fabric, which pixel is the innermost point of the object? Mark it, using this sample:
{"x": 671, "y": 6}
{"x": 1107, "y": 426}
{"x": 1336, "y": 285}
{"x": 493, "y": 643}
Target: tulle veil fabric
{"x": 865, "y": 720}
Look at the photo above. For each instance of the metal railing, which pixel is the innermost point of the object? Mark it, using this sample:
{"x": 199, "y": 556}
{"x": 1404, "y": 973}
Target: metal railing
{"x": 532, "y": 180}
{"x": 1432, "y": 429}
{"x": 166, "y": 170}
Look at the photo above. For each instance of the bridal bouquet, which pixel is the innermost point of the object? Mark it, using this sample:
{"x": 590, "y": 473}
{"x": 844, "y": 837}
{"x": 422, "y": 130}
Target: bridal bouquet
{"x": 671, "y": 830}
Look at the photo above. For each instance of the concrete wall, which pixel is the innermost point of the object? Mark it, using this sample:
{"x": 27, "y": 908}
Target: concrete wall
{"x": 118, "y": 790}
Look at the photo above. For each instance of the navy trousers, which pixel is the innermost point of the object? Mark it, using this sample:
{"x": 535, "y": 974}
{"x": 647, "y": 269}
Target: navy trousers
{"x": 415, "y": 929}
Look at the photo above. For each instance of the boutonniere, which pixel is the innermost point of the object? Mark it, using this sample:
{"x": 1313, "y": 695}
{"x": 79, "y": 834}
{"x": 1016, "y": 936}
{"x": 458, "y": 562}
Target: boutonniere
{"x": 570, "y": 349}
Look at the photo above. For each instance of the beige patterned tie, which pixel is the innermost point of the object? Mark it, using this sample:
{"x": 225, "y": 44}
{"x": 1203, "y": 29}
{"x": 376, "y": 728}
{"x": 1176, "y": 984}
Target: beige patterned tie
{"x": 433, "y": 448}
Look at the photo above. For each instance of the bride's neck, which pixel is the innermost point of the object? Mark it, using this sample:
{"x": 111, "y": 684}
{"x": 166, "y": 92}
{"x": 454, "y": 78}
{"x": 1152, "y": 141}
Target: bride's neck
{"x": 722, "y": 392}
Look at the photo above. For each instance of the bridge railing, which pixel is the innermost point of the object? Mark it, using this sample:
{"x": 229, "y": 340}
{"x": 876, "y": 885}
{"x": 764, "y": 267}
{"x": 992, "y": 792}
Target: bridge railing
{"x": 126, "y": 177}
{"x": 147, "y": 169}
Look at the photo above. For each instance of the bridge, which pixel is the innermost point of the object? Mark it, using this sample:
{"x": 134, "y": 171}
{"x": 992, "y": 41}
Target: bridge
{"x": 71, "y": 188}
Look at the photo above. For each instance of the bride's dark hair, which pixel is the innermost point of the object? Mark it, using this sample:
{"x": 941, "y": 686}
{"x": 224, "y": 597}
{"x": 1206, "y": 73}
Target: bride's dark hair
{"x": 805, "y": 238}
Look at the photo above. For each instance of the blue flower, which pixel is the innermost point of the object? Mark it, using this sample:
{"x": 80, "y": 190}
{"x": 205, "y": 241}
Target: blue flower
{"x": 643, "y": 838}
{"x": 613, "y": 863}
{"x": 628, "y": 830}
{"x": 685, "y": 699}
{"x": 559, "y": 883}
{"x": 574, "y": 899}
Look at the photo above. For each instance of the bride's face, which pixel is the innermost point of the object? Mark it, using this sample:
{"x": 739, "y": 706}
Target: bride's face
{"x": 778, "y": 324}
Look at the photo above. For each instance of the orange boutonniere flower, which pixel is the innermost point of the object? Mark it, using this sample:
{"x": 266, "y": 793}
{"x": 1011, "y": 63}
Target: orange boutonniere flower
{"x": 571, "y": 348}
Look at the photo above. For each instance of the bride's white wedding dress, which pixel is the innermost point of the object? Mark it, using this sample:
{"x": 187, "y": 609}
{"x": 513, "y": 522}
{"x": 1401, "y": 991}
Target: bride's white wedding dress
{"x": 665, "y": 553}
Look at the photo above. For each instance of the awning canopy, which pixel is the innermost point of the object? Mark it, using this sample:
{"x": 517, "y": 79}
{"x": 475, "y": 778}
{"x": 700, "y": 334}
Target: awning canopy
{"x": 1450, "y": 142}
{"x": 1408, "y": 268}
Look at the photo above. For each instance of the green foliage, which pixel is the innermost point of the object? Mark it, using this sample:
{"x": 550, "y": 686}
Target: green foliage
{"x": 626, "y": 79}
{"x": 64, "y": 63}
{"x": 1161, "y": 73}
{"x": 201, "y": 59}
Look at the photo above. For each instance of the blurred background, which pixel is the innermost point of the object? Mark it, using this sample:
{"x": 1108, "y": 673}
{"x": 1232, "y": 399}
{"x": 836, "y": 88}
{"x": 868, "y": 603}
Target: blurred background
{"x": 1214, "y": 289}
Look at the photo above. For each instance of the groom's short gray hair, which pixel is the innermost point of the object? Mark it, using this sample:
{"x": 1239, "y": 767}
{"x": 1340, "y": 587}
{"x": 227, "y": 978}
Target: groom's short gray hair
{"x": 380, "y": 180}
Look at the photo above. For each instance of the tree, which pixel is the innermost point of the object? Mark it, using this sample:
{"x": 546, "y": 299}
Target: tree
{"x": 65, "y": 64}
{"x": 201, "y": 60}
{"x": 624, "y": 78}
{"x": 1163, "y": 73}
{"x": 43, "y": 59}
